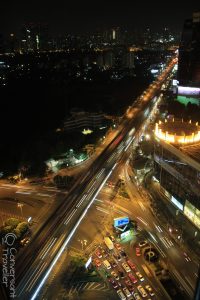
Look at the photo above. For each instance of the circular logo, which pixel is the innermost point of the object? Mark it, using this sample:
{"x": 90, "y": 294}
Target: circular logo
{"x": 9, "y": 239}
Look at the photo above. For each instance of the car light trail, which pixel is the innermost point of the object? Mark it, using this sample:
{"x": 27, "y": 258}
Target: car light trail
{"x": 70, "y": 236}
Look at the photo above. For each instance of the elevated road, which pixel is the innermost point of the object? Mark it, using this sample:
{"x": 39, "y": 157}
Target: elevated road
{"x": 33, "y": 268}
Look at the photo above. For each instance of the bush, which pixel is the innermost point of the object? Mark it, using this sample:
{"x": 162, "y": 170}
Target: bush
{"x": 13, "y": 222}
{"x": 21, "y": 229}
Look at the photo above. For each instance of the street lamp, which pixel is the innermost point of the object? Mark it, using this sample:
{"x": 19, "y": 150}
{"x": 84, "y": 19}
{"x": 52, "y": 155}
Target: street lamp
{"x": 83, "y": 243}
{"x": 20, "y": 205}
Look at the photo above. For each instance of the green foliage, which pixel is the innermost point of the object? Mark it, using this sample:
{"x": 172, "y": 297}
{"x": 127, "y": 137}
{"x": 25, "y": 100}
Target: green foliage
{"x": 7, "y": 229}
{"x": 13, "y": 222}
{"x": 21, "y": 229}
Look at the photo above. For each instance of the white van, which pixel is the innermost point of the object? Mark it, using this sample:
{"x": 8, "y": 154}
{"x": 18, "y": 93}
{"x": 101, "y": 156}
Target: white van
{"x": 121, "y": 295}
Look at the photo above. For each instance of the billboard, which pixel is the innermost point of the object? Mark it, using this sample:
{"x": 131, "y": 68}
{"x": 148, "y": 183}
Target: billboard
{"x": 121, "y": 221}
{"x": 189, "y": 91}
{"x": 124, "y": 234}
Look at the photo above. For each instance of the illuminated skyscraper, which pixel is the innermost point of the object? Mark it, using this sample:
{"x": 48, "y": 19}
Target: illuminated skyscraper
{"x": 189, "y": 58}
{"x": 34, "y": 37}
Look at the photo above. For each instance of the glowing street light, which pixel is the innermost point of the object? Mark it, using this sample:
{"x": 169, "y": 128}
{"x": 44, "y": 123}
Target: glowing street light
{"x": 83, "y": 243}
{"x": 20, "y": 205}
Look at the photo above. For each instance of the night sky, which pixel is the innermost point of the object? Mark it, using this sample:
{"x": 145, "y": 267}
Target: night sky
{"x": 86, "y": 15}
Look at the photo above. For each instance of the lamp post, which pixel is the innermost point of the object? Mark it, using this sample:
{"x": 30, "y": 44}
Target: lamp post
{"x": 83, "y": 243}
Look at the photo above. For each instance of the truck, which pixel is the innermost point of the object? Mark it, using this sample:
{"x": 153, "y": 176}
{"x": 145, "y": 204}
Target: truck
{"x": 108, "y": 243}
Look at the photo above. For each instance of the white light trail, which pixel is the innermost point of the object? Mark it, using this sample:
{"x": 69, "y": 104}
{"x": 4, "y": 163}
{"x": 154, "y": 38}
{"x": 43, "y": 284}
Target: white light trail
{"x": 70, "y": 236}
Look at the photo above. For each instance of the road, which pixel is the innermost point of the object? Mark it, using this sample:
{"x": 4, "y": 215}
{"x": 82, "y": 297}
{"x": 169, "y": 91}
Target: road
{"x": 46, "y": 248}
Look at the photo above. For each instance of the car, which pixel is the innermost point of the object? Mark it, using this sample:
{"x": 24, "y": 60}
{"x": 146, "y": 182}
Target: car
{"x": 25, "y": 241}
{"x": 121, "y": 294}
{"x": 128, "y": 283}
{"x": 126, "y": 267}
{"x": 150, "y": 290}
{"x": 143, "y": 243}
{"x": 112, "y": 238}
{"x": 97, "y": 262}
{"x": 131, "y": 264}
{"x": 126, "y": 292}
{"x": 132, "y": 278}
{"x": 139, "y": 275}
{"x": 107, "y": 264}
{"x": 137, "y": 251}
{"x": 142, "y": 291}
{"x": 123, "y": 253}
{"x": 113, "y": 263}
{"x": 137, "y": 296}
{"x": 104, "y": 253}
{"x": 114, "y": 283}
{"x": 98, "y": 253}
{"x": 121, "y": 274}
{"x": 118, "y": 257}
{"x": 115, "y": 275}
{"x": 118, "y": 246}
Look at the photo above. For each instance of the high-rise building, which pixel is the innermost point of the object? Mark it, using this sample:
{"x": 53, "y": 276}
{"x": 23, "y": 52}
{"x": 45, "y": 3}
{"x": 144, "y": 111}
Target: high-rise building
{"x": 189, "y": 59}
{"x": 34, "y": 37}
{"x": 129, "y": 60}
{"x": 177, "y": 169}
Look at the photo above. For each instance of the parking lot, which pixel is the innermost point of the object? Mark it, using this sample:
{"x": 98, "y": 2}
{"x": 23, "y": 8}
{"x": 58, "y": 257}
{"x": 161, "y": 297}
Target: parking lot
{"x": 124, "y": 276}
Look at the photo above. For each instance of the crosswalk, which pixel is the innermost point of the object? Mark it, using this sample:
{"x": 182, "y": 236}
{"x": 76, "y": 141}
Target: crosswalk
{"x": 166, "y": 242}
{"x": 91, "y": 286}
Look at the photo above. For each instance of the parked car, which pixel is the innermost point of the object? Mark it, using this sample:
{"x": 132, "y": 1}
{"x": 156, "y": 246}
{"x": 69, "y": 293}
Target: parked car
{"x": 126, "y": 292}
{"x": 97, "y": 262}
{"x": 137, "y": 251}
{"x": 131, "y": 264}
{"x": 142, "y": 291}
{"x": 115, "y": 275}
{"x": 139, "y": 275}
{"x": 150, "y": 290}
{"x": 98, "y": 253}
{"x": 25, "y": 241}
{"x": 118, "y": 246}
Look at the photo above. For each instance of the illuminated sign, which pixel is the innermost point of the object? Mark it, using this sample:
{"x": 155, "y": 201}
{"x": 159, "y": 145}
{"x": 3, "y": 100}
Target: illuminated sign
{"x": 154, "y": 71}
{"x": 124, "y": 234}
{"x": 188, "y": 91}
{"x": 177, "y": 203}
{"x": 88, "y": 262}
{"x": 121, "y": 221}
{"x": 174, "y": 82}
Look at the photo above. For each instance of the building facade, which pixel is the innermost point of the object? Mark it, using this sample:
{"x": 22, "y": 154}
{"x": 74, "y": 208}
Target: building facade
{"x": 177, "y": 166}
{"x": 80, "y": 120}
{"x": 189, "y": 59}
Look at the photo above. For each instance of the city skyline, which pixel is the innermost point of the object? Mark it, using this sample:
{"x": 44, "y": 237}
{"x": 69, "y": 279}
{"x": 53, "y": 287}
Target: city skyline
{"x": 86, "y": 17}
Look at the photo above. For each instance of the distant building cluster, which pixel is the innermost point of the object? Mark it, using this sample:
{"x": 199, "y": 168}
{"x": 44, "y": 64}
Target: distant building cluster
{"x": 36, "y": 37}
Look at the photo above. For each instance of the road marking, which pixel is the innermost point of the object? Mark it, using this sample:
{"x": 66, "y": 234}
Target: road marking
{"x": 102, "y": 210}
{"x": 157, "y": 227}
{"x": 5, "y": 187}
{"x": 44, "y": 195}
{"x": 141, "y": 220}
{"x": 21, "y": 192}
{"x": 141, "y": 205}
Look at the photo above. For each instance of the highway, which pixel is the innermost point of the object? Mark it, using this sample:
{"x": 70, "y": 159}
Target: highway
{"x": 33, "y": 268}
